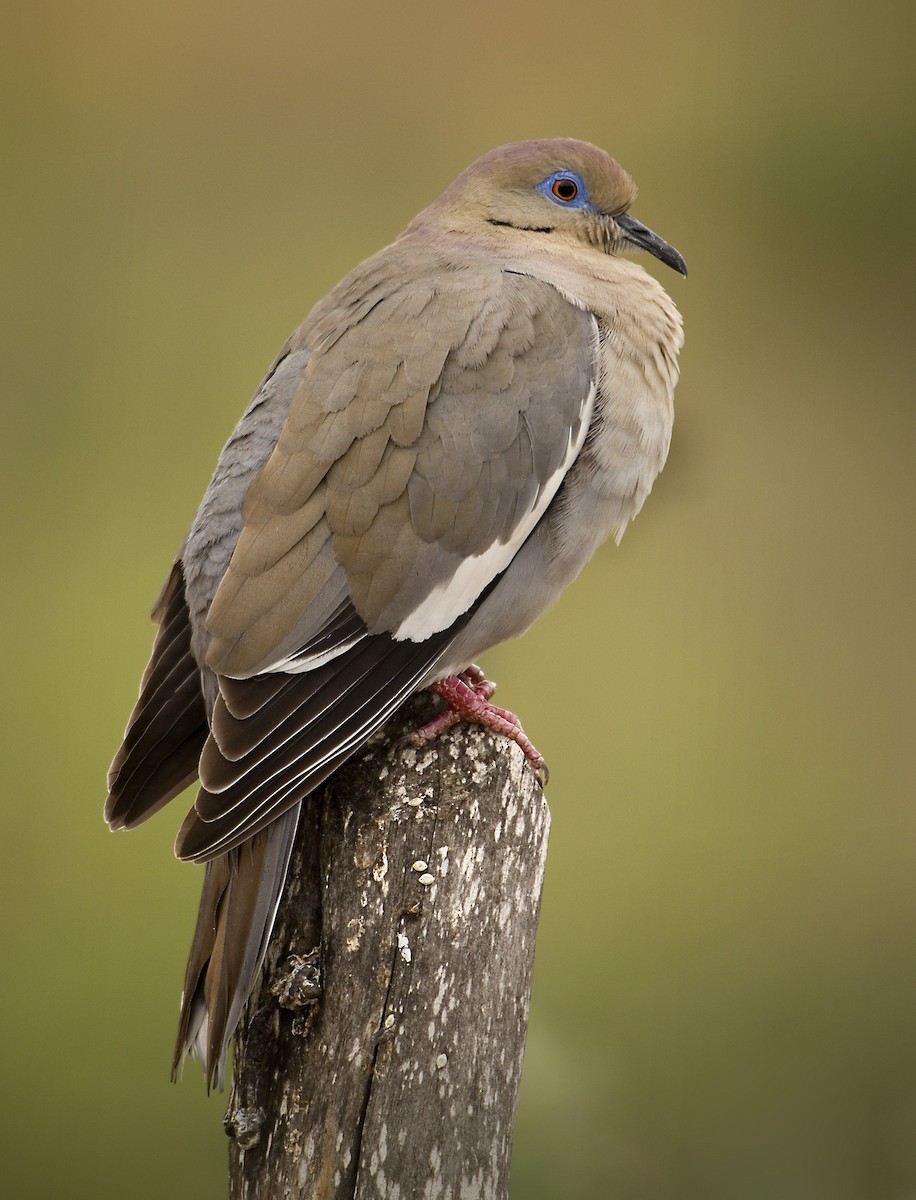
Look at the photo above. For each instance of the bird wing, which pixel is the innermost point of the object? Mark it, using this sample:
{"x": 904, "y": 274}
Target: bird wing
{"x": 168, "y": 726}
{"x": 420, "y": 450}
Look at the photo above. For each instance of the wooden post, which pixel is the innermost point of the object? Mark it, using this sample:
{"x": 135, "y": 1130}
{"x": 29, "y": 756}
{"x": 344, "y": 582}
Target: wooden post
{"x": 381, "y": 1056}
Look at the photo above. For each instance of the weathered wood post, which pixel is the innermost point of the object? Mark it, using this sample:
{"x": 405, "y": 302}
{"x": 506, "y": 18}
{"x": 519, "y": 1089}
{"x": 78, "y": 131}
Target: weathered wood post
{"x": 381, "y": 1054}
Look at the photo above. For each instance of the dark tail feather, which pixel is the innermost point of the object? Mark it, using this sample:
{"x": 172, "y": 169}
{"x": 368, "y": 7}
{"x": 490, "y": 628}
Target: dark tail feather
{"x": 241, "y": 894}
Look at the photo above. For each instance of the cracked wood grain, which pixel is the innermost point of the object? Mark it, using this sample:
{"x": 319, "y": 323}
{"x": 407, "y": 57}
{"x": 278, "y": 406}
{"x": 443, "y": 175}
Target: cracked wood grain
{"x": 381, "y": 1055}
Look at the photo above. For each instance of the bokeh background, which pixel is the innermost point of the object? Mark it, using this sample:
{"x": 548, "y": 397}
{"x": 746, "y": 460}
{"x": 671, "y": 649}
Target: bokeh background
{"x": 724, "y": 995}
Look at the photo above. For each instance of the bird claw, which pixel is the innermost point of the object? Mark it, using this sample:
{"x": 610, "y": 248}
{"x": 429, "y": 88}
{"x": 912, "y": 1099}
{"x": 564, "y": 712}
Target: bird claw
{"x": 467, "y": 697}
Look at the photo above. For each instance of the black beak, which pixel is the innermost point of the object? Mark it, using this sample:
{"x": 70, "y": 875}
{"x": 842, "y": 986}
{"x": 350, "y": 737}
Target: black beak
{"x": 644, "y": 239}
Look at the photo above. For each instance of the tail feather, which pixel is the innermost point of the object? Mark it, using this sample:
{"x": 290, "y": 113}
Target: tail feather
{"x": 241, "y": 894}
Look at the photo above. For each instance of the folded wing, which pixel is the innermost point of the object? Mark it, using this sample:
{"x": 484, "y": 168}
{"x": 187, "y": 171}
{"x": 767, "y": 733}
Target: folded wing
{"x": 419, "y": 452}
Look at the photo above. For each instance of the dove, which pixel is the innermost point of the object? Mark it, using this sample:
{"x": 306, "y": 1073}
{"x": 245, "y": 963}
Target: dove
{"x": 434, "y": 455}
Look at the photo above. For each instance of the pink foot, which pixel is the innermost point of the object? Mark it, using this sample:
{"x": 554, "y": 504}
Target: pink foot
{"x": 468, "y": 698}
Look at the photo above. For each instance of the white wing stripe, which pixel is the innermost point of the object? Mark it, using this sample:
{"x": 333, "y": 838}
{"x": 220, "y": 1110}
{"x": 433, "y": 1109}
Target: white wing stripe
{"x": 448, "y": 600}
{"x": 299, "y": 664}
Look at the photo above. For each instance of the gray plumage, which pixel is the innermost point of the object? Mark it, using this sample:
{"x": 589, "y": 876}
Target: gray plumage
{"x": 434, "y": 455}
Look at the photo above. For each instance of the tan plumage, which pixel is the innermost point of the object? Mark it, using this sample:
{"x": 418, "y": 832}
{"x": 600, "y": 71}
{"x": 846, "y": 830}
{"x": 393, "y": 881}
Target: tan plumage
{"x": 436, "y": 452}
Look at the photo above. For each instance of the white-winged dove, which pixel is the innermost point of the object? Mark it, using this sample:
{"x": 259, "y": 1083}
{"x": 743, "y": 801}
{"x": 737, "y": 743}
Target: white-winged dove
{"x": 436, "y": 452}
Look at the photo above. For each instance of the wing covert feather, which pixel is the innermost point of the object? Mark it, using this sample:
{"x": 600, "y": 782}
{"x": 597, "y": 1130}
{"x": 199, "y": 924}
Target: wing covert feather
{"x": 432, "y": 422}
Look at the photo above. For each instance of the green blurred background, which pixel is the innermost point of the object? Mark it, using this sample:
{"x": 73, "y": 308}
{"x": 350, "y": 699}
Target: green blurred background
{"x": 724, "y": 995}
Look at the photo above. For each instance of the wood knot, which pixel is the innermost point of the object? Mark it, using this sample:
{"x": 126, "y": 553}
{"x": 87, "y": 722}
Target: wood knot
{"x": 297, "y": 984}
{"x": 244, "y": 1126}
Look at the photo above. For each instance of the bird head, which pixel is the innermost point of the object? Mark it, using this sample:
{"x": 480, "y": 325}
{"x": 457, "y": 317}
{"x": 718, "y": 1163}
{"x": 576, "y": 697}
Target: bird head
{"x": 559, "y": 187}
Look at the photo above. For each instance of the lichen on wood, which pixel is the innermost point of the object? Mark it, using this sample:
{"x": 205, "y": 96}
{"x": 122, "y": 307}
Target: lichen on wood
{"x": 381, "y": 1054}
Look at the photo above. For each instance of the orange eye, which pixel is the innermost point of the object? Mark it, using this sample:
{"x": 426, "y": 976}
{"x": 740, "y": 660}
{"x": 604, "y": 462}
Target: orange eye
{"x": 565, "y": 189}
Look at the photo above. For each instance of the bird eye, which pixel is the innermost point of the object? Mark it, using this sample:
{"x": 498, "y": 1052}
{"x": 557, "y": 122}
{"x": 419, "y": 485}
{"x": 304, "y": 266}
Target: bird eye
{"x": 565, "y": 189}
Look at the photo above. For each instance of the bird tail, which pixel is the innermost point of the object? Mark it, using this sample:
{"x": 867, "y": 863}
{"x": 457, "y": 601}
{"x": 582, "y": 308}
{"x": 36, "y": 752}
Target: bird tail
{"x": 241, "y": 894}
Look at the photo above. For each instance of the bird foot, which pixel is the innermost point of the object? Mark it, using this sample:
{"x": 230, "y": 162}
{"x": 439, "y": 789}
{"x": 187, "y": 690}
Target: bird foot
{"x": 468, "y": 699}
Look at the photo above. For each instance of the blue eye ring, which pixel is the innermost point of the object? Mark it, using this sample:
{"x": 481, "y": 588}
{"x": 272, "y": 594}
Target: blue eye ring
{"x": 565, "y": 188}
